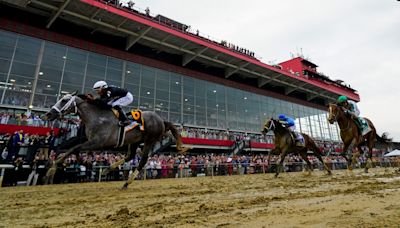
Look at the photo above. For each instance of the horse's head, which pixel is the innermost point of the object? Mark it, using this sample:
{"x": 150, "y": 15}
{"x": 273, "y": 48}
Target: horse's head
{"x": 65, "y": 105}
{"x": 334, "y": 112}
{"x": 269, "y": 125}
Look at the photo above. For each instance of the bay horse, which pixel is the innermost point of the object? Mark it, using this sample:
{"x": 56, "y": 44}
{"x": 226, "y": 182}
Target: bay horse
{"x": 352, "y": 137}
{"x": 285, "y": 144}
{"x": 101, "y": 128}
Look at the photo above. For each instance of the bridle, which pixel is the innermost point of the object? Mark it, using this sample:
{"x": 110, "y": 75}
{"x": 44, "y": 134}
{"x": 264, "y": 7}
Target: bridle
{"x": 271, "y": 126}
{"x": 67, "y": 105}
{"x": 336, "y": 115}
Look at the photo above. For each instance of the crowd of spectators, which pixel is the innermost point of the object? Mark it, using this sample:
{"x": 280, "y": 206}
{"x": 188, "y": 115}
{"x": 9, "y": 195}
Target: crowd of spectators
{"x": 39, "y": 151}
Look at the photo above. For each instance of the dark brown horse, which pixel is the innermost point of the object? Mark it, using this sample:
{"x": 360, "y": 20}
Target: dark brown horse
{"x": 285, "y": 144}
{"x": 352, "y": 137}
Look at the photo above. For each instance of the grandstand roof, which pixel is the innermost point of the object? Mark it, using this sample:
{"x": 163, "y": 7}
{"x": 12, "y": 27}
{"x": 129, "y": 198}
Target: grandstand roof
{"x": 138, "y": 28}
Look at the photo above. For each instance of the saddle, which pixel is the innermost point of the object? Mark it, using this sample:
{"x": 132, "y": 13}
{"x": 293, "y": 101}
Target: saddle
{"x": 362, "y": 125}
{"x": 298, "y": 139}
{"x": 135, "y": 116}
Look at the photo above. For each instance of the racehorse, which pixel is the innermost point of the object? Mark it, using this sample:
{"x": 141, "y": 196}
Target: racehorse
{"x": 352, "y": 137}
{"x": 101, "y": 127}
{"x": 285, "y": 144}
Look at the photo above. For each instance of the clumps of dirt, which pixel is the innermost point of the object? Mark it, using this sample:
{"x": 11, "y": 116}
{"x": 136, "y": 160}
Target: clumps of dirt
{"x": 123, "y": 214}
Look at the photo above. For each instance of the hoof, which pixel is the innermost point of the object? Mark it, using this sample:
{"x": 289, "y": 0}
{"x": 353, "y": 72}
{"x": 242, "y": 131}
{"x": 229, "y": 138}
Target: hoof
{"x": 365, "y": 170}
{"x": 329, "y": 173}
{"x": 124, "y": 187}
{"x": 276, "y": 175}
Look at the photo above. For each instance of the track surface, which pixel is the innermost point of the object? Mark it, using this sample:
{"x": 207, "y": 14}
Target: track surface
{"x": 292, "y": 200}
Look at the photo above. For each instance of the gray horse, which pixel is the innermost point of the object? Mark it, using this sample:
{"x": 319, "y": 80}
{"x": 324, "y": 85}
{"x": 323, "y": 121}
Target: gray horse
{"x": 102, "y": 131}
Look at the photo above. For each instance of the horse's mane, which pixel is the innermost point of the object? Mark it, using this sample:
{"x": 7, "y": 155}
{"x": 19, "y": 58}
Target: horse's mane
{"x": 96, "y": 102}
{"x": 82, "y": 96}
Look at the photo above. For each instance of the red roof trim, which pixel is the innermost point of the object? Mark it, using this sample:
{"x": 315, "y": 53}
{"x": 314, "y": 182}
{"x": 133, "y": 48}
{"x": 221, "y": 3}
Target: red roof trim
{"x": 209, "y": 44}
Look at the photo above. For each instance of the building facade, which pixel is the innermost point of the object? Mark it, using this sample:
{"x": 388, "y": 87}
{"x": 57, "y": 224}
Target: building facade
{"x": 35, "y": 72}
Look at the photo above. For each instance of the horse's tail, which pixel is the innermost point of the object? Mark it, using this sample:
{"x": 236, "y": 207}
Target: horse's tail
{"x": 170, "y": 127}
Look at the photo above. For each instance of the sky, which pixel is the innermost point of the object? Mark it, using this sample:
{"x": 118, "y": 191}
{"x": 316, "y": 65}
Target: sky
{"x": 357, "y": 41}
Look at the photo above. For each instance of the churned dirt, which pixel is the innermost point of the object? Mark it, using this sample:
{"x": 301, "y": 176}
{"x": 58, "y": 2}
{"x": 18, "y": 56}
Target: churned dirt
{"x": 292, "y": 200}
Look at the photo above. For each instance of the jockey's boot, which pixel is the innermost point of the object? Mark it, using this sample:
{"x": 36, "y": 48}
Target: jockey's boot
{"x": 123, "y": 120}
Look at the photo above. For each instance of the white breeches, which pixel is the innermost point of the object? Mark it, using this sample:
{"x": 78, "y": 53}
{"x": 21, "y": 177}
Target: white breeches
{"x": 123, "y": 101}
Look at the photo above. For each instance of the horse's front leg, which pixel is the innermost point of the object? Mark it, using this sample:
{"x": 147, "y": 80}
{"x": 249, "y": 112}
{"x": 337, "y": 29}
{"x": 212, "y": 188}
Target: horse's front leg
{"x": 142, "y": 163}
{"x": 279, "y": 163}
{"x": 89, "y": 145}
{"x": 348, "y": 149}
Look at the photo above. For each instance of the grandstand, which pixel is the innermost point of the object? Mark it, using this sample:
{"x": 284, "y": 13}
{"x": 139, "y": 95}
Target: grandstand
{"x": 50, "y": 48}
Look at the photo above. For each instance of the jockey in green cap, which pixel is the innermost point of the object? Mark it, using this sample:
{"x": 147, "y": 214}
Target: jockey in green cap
{"x": 354, "y": 112}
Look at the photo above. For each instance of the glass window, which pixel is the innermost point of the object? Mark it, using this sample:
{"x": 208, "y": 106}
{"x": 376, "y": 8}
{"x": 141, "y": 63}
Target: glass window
{"x": 75, "y": 66}
{"x": 46, "y": 87}
{"x": 162, "y": 75}
{"x": 29, "y": 43}
{"x": 175, "y": 84}
{"x": 68, "y": 88}
{"x": 23, "y": 69}
{"x": 96, "y": 59}
{"x": 76, "y": 55}
{"x": 73, "y": 78}
{"x": 114, "y": 63}
{"x": 24, "y": 55}
{"x": 54, "y": 49}
{"x": 147, "y": 92}
{"x": 115, "y": 75}
{"x": 175, "y": 117}
{"x": 3, "y": 78}
{"x": 96, "y": 71}
{"x": 146, "y": 104}
{"x": 114, "y": 83}
{"x": 17, "y": 97}
{"x": 43, "y": 101}
{"x": 4, "y": 66}
{"x": 175, "y": 97}
{"x": 134, "y": 89}
{"x": 175, "y": 107}
{"x": 7, "y": 38}
{"x": 53, "y": 61}
{"x": 162, "y": 95}
{"x": 6, "y": 52}
{"x": 162, "y": 105}
{"x": 50, "y": 74}
{"x": 162, "y": 84}
{"x": 148, "y": 77}
{"x": 132, "y": 78}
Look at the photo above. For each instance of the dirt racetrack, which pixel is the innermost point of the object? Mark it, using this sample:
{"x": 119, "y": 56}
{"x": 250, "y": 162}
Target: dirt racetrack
{"x": 292, "y": 200}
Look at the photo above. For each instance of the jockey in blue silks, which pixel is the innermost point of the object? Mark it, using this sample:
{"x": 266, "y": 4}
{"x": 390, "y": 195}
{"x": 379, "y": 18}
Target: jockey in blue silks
{"x": 291, "y": 126}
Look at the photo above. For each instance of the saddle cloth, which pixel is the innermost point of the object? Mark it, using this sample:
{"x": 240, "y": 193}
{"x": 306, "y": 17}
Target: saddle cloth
{"x": 365, "y": 128}
{"x": 136, "y": 118}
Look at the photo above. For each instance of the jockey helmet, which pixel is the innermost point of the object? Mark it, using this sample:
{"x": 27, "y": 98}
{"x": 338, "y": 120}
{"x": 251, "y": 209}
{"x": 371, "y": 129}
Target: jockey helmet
{"x": 100, "y": 85}
{"x": 342, "y": 99}
{"x": 282, "y": 117}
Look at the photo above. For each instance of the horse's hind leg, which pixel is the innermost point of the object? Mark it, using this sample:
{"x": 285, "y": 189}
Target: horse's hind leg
{"x": 131, "y": 154}
{"x": 84, "y": 146}
{"x": 303, "y": 155}
{"x": 279, "y": 164}
{"x": 323, "y": 162}
{"x": 142, "y": 163}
